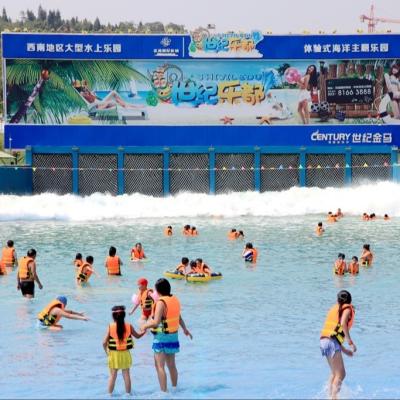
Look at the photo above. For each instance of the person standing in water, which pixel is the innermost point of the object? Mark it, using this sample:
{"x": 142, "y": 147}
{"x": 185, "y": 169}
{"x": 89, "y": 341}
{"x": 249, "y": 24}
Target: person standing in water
{"x": 164, "y": 323}
{"x": 335, "y": 332}
{"x": 117, "y": 343}
{"x": 27, "y": 276}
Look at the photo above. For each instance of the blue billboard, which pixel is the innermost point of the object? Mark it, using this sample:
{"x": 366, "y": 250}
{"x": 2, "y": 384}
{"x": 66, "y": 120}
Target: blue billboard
{"x": 201, "y": 89}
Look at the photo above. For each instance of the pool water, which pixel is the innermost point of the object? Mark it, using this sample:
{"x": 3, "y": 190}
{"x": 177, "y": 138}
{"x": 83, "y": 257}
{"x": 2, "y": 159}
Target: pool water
{"x": 255, "y": 332}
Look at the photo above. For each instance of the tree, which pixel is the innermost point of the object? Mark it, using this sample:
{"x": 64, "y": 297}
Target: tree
{"x": 42, "y": 14}
{"x": 30, "y": 16}
{"x": 96, "y": 25}
{"x": 4, "y": 16}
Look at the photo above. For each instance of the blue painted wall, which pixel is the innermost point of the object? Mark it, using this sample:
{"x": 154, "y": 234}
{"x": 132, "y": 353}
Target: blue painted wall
{"x": 15, "y": 180}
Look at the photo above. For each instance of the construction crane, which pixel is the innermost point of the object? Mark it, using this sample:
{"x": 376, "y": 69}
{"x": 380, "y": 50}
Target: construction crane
{"x": 372, "y": 20}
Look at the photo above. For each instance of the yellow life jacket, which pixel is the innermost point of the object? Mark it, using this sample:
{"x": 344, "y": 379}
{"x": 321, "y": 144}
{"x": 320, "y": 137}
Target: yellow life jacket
{"x": 82, "y": 275}
{"x": 332, "y": 327}
{"x": 170, "y": 322}
{"x": 48, "y": 319}
{"x": 24, "y": 272}
{"x": 120, "y": 345}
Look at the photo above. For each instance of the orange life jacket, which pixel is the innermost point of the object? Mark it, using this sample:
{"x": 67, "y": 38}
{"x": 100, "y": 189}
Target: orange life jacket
{"x": 135, "y": 253}
{"x": 120, "y": 345}
{"x": 170, "y": 322}
{"x": 78, "y": 263}
{"x": 7, "y": 258}
{"x": 146, "y": 302}
{"x": 255, "y": 255}
{"x": 340, "y": 267}
{"x": 194, "y": 233}
{"x": 201, "y": 269}
{"x": 367, "y": 259}
{"x": 168, "y": 232}
{"x": 332, "y": 326}
{"x": 113, "y": 265}
{"x": 45, "y": 315}
{"x": 354, "y": 268}
{"x": 83, "y": 273}
{"x": 24, "y": 272}
{"x": 181, "y": 268}
{"x": 232, "y": 235}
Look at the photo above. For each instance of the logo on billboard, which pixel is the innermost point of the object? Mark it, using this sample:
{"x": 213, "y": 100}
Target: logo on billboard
{"x": 351, "y": 137}
{"x": 204, "y": 44}
{"x": 165, "y": 50}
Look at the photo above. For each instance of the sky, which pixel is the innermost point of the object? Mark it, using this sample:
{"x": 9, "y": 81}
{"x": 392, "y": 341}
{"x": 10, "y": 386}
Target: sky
{"x": 279, "y": 16}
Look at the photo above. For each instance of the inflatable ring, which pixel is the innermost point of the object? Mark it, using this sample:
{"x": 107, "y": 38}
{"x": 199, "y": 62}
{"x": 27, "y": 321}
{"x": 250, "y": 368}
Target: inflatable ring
{"x": 198, "y": 278}
{"x": 215, "y": 276}
{"x": 174, "y": 275}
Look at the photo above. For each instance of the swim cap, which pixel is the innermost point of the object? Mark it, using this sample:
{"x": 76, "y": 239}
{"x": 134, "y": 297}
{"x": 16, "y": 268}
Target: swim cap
{"x": 142, "y": 281}
{"x": 344, "y": 297}
{"x": 62, "y": 299}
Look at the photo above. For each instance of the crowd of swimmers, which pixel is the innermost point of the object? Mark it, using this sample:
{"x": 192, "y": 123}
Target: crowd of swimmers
{"x": 160, "y": 310}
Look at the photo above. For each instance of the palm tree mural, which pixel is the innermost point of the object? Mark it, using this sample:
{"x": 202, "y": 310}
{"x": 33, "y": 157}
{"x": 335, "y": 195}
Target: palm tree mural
{"x": 43, "y": 89}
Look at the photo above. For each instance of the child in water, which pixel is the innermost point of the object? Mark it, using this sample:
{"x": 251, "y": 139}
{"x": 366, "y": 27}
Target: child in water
{"x": 319, "y": 230}
{"x": 366, "y": 256}
{"x": 78, "y": 260}
{"x": 117, "y": 343}
{"x": 340, "y": 265}
{"x": 353, "y": 267}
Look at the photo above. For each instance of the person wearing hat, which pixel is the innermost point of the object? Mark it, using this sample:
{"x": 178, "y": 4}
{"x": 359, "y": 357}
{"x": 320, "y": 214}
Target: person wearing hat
{"x": 54, "y": 311}
{"x": 144, "y": 298}
{"x": 335, "y": 332}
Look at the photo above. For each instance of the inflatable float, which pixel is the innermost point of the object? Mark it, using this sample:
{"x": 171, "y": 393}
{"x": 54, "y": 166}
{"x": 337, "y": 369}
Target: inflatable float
{"x": 174, "y": 275}
{"x": 203, "y": 278}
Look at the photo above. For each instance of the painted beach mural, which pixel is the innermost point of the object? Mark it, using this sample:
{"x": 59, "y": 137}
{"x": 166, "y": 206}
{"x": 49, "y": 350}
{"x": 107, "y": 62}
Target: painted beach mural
{"x": 203, "y": 92}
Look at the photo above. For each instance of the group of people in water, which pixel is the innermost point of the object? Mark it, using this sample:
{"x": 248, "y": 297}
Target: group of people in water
{"x": 160, "y": 310}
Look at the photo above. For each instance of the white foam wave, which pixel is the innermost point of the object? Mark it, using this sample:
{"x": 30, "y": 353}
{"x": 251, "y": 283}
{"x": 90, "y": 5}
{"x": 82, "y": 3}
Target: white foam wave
{"x": 380, "y": 198}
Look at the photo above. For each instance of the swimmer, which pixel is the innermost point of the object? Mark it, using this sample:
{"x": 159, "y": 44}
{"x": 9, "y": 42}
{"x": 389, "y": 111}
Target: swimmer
{"x": 241, "y": 235}
{"x": 335, "y": 332}
{"x": 113, "y": 262}
{"x": 183, "y": 267}
{"x": 367, "y": 256}
{"x": 137, "y": 252}
{"x": 233, "y": 234}
{"x": 85, "y": 271}
{"x": 365, "y": 217}
{"x": 319, "y": 230}
{"x": 168, "y": 231}
{"x": 143, "y": 298}
{"x": 192, "y": 267}
{"x": 372, "y": 216}
{"x": 331, "y": 217}
{"x": 340, "y": 265}
{"x": 78, "y": 260}
{"x": 117, "y": 343}
{"x": 54, "y": 311}
{"x": 164, "y": 323}
{"x": 202, "y": 268}
{"x": 8, "y": 258}
{"x": 186, "y": 230}
{"x": 193, "y": 231}
{"x": 27, "y": 275}
{"x": 339, "y": 213}
{"x": 250, "y": 253}
{"x": 386, "y": 217}
{"x": 353, "y": 266}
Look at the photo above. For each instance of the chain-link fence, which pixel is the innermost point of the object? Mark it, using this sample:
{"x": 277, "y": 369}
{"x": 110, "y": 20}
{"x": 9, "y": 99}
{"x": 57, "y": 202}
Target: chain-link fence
{"x": 370, "y": 168}
{"x": 52, "y": 173}
{"x": 279, "y": 172}
{"x": 189, "y": 173}
{"x": 143, "y": 174}
{"x": 325, "y": 170}
{"x": 98, "y": 173}
{"x": 235, "y": 172}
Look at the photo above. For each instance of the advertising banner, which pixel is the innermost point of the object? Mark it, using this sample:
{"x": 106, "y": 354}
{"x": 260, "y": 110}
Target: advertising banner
{"x": 206, "y": 92}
